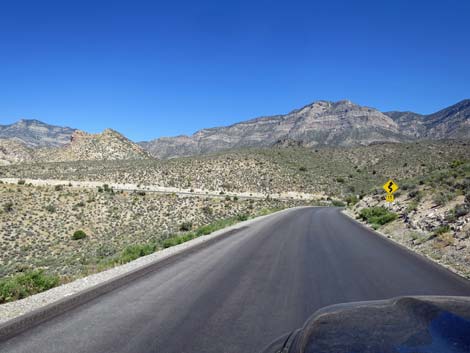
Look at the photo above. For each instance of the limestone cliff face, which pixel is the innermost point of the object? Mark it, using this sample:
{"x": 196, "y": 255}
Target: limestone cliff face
{"x": 321, "y": 123}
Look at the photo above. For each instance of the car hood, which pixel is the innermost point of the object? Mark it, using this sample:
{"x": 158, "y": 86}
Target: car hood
{"x": 399, "y": 325}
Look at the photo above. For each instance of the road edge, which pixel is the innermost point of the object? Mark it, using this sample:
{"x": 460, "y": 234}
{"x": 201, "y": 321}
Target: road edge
{"x": 27, "y": 320}
{"x": 390, "y": 239}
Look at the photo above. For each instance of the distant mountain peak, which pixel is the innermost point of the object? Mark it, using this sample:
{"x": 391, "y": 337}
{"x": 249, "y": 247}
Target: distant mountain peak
{"x": 35, "y": 133}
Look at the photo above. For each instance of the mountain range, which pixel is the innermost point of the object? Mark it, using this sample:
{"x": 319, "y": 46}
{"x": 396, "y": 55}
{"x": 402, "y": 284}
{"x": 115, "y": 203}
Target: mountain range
{"x": 322, "y": 123}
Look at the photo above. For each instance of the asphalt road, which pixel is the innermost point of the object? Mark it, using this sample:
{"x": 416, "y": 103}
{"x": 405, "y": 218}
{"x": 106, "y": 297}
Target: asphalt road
{"x": 242, "y": 292}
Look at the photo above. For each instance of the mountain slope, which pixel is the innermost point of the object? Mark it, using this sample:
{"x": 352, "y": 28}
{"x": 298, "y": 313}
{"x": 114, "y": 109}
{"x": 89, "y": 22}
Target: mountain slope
{"x": 452, "y": 122}
{"x": 108, "y": 145}
{"x": 35, "y": 133}
{"x": 321, "y": 123}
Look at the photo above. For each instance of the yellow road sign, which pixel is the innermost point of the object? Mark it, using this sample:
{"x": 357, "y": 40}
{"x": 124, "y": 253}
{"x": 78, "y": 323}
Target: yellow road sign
{"x": 389, "y": 198}
{"x": 390, "y": 187}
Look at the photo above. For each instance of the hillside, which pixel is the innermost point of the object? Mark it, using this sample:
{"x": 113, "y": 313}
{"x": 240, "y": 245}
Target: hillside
{"x": 34, "y": 133}
{"x": 108, "y": 145}
{"x": 321, "y": 124}
{"x": 326, "y": 171}
{"x": 432, "y": 214}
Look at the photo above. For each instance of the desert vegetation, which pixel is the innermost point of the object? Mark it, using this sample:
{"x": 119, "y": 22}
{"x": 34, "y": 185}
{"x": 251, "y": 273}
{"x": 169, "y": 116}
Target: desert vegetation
{"x": 335, "y": 172}
{"x": 52, "y": 234}
{"x": 431, "y": 214}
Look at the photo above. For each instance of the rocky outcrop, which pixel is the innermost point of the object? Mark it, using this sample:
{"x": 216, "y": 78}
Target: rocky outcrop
{"x": 108, "y": 145}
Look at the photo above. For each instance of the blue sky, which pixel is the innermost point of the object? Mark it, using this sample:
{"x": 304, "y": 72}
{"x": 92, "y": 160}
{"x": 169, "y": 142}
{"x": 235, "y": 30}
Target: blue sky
{"x": 155, "y": 68}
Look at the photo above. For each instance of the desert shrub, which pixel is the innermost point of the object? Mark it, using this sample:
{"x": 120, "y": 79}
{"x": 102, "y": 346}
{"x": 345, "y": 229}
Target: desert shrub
{"x": 8, "y": 206}
{"x": 50, "y": 208}
{"x": 207, "y": 210}
{"x": 415, "y": 194}
{"x": 351, "y": 200}
{"x": 441, "y": 230}
{"x": 441, "y": 198}
{"x": 79, "y": 234}
{"x": 186, "y": 226}
{"x": 337, "y": 203}
{"x": 133, "y": 252}
{"x": 412, "y": 206}
{"x": 25, "y": 284}
{"x": 377, "y": 215}
{"x": 242, "y": 217}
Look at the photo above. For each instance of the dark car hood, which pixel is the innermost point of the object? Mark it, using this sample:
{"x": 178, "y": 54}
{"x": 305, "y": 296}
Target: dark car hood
{"x": 399, "y": 325}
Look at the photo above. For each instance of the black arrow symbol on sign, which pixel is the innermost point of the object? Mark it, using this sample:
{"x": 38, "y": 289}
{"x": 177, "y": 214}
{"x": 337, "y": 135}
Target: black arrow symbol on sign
{"x": 390, "y": 186}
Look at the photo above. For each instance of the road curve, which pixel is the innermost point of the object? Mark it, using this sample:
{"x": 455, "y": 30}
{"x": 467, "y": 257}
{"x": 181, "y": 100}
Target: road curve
{"x": 244, "y": 291}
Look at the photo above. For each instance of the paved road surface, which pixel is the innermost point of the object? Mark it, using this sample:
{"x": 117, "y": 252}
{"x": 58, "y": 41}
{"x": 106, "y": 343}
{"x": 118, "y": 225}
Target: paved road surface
{"x": 242, "y": 292}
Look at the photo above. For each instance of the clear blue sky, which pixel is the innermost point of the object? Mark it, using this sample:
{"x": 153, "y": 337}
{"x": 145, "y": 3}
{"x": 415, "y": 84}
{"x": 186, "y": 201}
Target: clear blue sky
{"x": 161, "y": 68}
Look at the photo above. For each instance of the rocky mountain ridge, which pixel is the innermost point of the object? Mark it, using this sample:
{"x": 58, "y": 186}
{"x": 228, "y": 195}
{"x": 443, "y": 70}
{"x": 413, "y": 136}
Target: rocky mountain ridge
{"x": 35, "y": 133}
{"x": 321, "y": 123}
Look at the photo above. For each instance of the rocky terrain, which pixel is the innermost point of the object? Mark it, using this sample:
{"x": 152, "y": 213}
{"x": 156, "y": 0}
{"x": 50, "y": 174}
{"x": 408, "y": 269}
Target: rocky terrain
{"x": 321, "y": 123}
{"x": 108, "y": 145}
{"x": 34, "y": 133}
{"x": 39, "y": 224}
{"x": 432, "y": 214}
{"x": 15, "y": 151}
{"x": 335, "y": 172}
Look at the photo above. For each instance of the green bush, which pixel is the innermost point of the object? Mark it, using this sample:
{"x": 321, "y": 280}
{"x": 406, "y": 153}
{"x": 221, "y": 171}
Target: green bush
{"x": 79, "y": 234}
{"x": 133, "y": 252}
{"x": 351, "y": 200}
{"x": 242, "y": 217}
{"x": 25, "y": 284}
{"x": 377, "y": 215}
